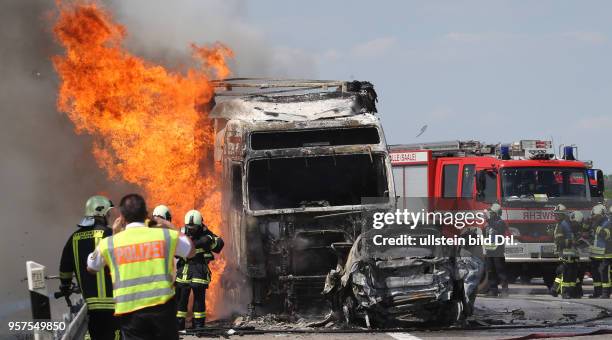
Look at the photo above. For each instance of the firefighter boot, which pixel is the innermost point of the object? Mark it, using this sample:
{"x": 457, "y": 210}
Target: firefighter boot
{"x": 181, "y": 323}
{"x": 596, "y": 292}
{"x": 578, "y": 293}
{"x": 568, "y": 292}
{"x": 605, "y": 293}
{"x": 199, "y": 323}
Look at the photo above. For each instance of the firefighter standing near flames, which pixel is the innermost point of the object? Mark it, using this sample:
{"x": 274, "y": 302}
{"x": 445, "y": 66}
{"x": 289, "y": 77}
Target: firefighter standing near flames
{"x": 141, "y": 263}
{"x": 601, "y": 252}
{"x": 193, "y": 274}
{"x": 96, "y": 289}
{"x": 495, "y": 258}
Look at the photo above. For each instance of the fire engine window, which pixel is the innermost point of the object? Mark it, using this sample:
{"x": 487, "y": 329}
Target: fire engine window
{"x": 237, "y": 186}
{"x": 524, "y": 183}
{"x": 450, "y": 174}
{"x": 489, "y": 195}
{"x": 467, "y": 182}
{"x": 304, "y": 182}
{"x": 267, "y": 140}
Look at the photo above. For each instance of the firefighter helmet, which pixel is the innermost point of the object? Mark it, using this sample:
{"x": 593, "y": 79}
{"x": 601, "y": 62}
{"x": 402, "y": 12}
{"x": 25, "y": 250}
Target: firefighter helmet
{"x": 163, "y": 212}
{"x": 494, "y": 209}
{"x": 598, "y": 210}
{"x": 560, "y": 209}
{"x": 98, "y": 206}
{"x": 576, "y": 216}
{"x": 193, "y": 217}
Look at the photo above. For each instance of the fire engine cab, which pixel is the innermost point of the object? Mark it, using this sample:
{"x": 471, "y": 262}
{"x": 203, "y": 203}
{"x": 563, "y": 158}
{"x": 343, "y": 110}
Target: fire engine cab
{"x": 526, "y": 178}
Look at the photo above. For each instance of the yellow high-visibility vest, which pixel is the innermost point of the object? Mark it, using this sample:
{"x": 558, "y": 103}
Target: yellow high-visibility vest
{"x": 141, "y": 261}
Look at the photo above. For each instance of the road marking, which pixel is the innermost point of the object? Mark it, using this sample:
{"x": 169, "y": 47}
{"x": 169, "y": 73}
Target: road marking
{"x": 403, "y": 336}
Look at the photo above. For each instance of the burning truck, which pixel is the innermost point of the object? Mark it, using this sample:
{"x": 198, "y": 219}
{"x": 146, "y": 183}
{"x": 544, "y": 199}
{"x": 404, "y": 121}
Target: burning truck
{"x": 298, "y": 158}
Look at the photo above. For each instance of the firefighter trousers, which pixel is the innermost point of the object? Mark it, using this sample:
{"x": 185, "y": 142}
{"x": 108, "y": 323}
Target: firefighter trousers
{"x": 601, "y": 272}
{"x": 496, "y": 271}
{"x": 103, "y": 325}
{"x": 151, "y": 323}
{"x": 199, "y": 301}
{"x": 570, "y": 276}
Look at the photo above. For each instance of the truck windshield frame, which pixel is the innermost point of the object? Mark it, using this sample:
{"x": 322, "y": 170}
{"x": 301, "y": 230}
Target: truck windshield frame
{"x": 316, "y": 182}
{"x": 557, "y": 183}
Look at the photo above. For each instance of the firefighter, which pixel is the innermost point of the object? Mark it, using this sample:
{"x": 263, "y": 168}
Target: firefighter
{"x": 140, "y": 260}
{"x": 601, "y": 252}
{"x": 495, "y": 258}
{"x": 193, "y": 274}
{"x": 96, "y": 289}
{"x": 564, "y": 241}
{"x": 577, "y": 221}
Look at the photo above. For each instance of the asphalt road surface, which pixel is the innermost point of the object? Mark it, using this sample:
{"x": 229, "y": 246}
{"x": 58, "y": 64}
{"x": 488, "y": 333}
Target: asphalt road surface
{"x": 527, "y": 311}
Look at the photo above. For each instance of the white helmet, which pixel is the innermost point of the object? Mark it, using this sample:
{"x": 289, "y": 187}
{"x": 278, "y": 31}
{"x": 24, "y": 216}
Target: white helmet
{"x": 576, "y": 216}
{"x": 598, "y": 210}
{"x": 495, "y": 208}
{"x": 193, "y": 217}
{"x": 163, "y": 212}
{"x": 560, "y": 209}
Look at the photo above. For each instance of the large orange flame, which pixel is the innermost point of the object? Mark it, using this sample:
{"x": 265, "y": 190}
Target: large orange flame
{"x": 149, "y": 124}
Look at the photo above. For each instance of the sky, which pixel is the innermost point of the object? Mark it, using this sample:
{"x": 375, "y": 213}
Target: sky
{"x": 495, "y": 71}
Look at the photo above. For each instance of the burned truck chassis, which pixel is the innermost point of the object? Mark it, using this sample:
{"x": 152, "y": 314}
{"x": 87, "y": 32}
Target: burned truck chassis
{"x": 284, "y": 281}
{"x": 298, "y": 157}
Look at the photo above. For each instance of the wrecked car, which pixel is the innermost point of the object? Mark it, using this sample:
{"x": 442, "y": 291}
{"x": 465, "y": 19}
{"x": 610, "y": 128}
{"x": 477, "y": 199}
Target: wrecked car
{"x": 382, "y": 284}
{"x": 297, "y": 159}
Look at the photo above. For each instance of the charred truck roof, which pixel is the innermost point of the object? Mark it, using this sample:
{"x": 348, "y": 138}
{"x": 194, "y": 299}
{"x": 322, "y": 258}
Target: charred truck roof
{"x": 299, "y": 157}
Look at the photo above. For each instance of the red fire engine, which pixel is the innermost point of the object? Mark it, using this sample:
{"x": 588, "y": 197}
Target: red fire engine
{"x": 525, "y": 178}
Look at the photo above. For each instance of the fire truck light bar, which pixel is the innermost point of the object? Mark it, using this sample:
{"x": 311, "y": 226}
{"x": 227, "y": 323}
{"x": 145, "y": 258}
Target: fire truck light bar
{"x": 536, "y": 144}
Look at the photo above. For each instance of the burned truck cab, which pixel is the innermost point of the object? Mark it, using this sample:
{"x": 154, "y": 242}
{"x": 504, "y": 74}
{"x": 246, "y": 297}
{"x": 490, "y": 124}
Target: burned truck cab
{"x": 303, "y": 164}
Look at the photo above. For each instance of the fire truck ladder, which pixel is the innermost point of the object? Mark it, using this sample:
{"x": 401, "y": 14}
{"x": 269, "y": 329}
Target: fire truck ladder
{"x": 455, "y": 148}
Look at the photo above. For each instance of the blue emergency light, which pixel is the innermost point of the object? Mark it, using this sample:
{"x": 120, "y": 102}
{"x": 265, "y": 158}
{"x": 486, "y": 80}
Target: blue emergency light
{"x": 591, "y": 173}
{"x": 504, "y": 151}
{"x": 568, "y": 153}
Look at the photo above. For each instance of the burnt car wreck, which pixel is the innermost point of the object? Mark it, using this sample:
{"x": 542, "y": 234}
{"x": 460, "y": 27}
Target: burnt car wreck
{"x": 297, "y": 158}
{"x": 381, "y": 285}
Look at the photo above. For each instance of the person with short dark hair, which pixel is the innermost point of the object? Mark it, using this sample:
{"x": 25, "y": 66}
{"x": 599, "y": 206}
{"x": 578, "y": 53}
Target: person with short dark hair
{"x": 141, "y": 262}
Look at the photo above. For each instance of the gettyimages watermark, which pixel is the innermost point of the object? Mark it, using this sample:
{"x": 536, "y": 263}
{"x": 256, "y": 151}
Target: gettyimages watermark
{"x": 429, "y": 222}
{"x": 412, "y": 219}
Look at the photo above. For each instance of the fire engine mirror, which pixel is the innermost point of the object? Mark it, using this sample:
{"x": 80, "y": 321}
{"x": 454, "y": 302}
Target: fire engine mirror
{"x": 600, "y": 183}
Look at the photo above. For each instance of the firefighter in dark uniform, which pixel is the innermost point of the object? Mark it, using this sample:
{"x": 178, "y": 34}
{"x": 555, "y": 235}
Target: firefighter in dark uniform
{"x": 193, "y": 274}
{"x": 495, "y": 257}
{"x": 601, "y": 252}
{"x": 578, "y": 224}
{"x": 97, "y": 290}
{"x": 565, "y": 244}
